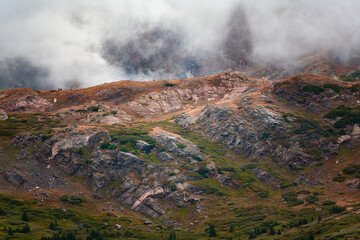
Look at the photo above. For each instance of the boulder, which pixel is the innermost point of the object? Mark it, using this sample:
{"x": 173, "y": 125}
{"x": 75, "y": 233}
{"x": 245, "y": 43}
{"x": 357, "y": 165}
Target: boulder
{"x": 144, "y": 146}
{"x": 185, "y": 120}
{"x": 164, "y": 156}
{"x": 15, "y": 177}
{"x": 267, "y": 178}
{"x": 3, "y": 116}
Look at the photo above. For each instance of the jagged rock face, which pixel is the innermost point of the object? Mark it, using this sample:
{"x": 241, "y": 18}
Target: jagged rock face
{"x": 234, "y": 130}
{"x": 256, "y": 132}
{"x": 101, "y": 169}
{"x": 3, "y": 116}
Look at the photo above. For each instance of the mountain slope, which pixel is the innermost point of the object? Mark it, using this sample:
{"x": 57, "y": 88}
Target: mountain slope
{"x": 249, "y": 156}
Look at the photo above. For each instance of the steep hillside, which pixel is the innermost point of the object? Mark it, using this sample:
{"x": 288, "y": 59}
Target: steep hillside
{"x": 247, "y": 158}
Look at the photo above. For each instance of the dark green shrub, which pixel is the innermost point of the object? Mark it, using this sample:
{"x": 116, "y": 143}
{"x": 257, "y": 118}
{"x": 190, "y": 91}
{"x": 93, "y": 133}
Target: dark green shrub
{"x": 327, "y": 203}
{"x": 307, "y": 125}
{"x": 93, "y": 108}
{"x": 73, "y": 200}
{"x": 341, "y": 111}
{"x": 203, "y": 172}
{"x": 337, "y": 209}
{"x": 312, "y": 199}
{"x": 248, "y": 166}
{"x": 339, "y": 179}
{"x": 291, "y": 199}
{"x": 328, "y": 132}
{"x": 334, "y": 87}
{"x": 197, "y": 158}
{"x": 169, "y": 84}
{"x": 312, "y": 88}
{"x": 265, "y": 135}
{"x": 263, "y": 194}
{"x": 108, "y": 146}
{"x": 348, "y": 116}
{"x": 80, "y": 151}
{"x": 351, "y": 169}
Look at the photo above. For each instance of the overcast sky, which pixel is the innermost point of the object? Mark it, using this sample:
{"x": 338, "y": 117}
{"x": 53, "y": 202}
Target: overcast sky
{"x": 64, "y": 40}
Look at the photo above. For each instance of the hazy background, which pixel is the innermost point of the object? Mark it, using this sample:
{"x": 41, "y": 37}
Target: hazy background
{"x": 67, "y": 44}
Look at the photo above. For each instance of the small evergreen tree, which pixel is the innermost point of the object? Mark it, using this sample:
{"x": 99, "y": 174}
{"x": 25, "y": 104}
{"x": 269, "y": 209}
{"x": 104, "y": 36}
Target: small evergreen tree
{"x": 212, "y": 232}
{"x": 319, "y": 219}
{"x": 10, "y": 231}
{"x": 279, "y": 232}
{"x": 252, "y": 235}
{"x": 311, "y": 237}
{"x": 52, "y": 226}
{"x": 272, "y": 231}
{"x": 172, "y": 235}
{"x": 2, "y": 212}
{"x": 25, "y": 229}
{"x": 25, "y": 217}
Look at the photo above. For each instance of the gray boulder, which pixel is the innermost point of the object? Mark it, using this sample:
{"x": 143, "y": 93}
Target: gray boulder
{"x": 267, "y": 178}
{"x": 164, "y": 157}
{"x": 144, "y": 146}
{"x": 3, "y": 116}
{"x": 15, "y": 177}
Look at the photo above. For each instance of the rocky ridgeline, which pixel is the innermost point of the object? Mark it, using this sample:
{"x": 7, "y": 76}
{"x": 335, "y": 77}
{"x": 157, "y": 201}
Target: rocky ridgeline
{"x": 146, "y": 102}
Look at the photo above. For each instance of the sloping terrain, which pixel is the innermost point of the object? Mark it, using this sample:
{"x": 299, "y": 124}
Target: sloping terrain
{"x": 243, "y": 157}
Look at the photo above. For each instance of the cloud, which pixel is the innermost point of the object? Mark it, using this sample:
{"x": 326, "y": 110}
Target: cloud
{"x": 92, "y": 42}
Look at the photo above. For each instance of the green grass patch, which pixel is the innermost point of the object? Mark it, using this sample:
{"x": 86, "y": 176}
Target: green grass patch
{"x": 291, "y": 199}
{"x": 181, "y": 146}
{"x": 348, "y": 116}
{"x": 353, "y": 77}
{"x": 307, "y": 125}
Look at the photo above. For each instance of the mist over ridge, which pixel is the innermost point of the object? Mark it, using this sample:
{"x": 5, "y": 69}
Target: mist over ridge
{"x": 54, "y": 44}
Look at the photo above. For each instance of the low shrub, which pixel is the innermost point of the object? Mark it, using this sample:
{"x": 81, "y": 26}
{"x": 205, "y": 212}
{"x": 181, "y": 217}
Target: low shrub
{"x": 313, "y": 89}
{"x": 334, "y": 87}
{"x": 73, "y": 200}
{"x": 93, "y": 108}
